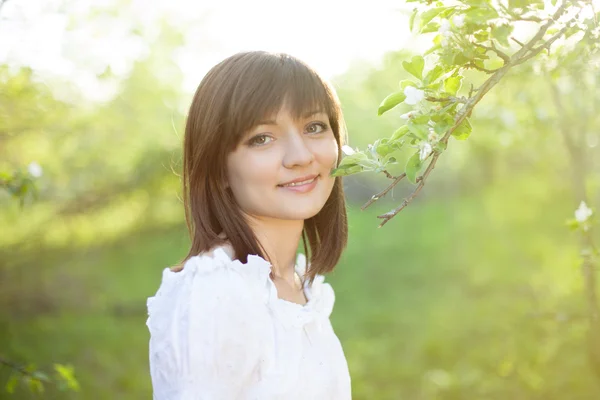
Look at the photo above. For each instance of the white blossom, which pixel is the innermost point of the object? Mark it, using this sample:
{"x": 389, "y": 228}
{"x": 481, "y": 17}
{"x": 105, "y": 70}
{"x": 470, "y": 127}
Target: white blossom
{"x": 413, "y": 95}
{"x": 445, "y": 42}
{"x": 583, "y": 212}
{"x": 433, "y": 137}
{"x": 425, "y": 150}
{"x": 347, "y": 150}
{"x": 34, "y": 169}
{"x": 444, "y": 27}
{"x": 459, "y": 20}
{"x": 408, "y": 115}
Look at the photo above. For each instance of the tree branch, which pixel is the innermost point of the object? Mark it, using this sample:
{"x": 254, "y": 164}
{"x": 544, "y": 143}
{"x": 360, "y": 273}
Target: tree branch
{"x": 545, "y": 45}
{"x": 390, "y": 214}
{"x": 526, "y": 52}
{"x": 517, "y": 41}
{"x": 505, "y": 57}
{"x": 22, "y": 370}
{"x": 388, "y": 174}
{"x": 445, "y": 99}
{"x": 487, "y": 71}
{"x": 540, "y": 34}
{"x": 379, "y": 195}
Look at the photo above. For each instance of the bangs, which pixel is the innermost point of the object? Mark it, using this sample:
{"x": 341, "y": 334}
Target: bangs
{"x": 269, "y": 83}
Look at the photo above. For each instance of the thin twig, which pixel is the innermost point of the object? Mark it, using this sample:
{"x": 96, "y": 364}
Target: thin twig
{"x": 22, "y": 370}
{"x": 379, "y": 195}
{"x": 390, "y": 214}
{"x": 540, "y": 34}
{"x": 388, "y": 174}
{"x": 445, "y": 99}
{"x": 487, "y": 71}
{"x": 505, "y": 57}
{"x": 545, "y": 45}
{"x": 517, "y": 41}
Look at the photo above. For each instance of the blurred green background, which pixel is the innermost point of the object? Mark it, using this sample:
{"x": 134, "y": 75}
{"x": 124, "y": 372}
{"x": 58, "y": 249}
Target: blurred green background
{"x": 472, "y": 292}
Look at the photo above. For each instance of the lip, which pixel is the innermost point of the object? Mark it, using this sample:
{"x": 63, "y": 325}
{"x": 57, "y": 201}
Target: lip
{"x": 307, "y": 187}
{"x": 302, "y": 178}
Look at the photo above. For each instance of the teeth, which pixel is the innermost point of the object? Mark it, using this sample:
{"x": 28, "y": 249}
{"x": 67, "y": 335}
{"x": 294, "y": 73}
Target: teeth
{"x": 299, "y": 183}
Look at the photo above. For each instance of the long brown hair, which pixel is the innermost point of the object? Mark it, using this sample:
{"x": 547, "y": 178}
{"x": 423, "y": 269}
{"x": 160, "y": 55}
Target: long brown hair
{"x": 231, "y": 99}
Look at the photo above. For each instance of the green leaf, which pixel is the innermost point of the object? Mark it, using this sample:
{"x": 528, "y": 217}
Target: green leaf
{"x": 413, "y": 166}
{"x": 384, "y": 149}
{"x": 411, "y": 22}
{"x": 415, "y": 66}
{"x": 390, "y": 102}
{"x": 420, "y": 119}
{"x": 353, "y": 159}
{"x": 463, "y": 131}
{"x": 11, "y": 384}
{"x": 431, "y": 27}
{"x": 439, "y": 147}
{"x": 481, "y": 36}
{"x": 501, "y": 33}
{"x": 481, "y": 15}
{"x": 67, "y": 374}
{"x": 573, "y": 224}
{"x": 346, "y": 171}
{"x": 441, "y": 127}
{"x": 419, "y": 130}
{"x": 452, "y": 84}
{"x": 35, "y": 386}
{"x": 433, "y": 74}
{"x": 460, "y": 59}
{"x": 430, "y": 14}
{"x": 400, "y": 132}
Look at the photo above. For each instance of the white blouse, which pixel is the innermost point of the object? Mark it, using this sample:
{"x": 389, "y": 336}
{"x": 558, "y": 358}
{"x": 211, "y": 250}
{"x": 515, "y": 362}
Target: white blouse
{"x": 219, "y": 331}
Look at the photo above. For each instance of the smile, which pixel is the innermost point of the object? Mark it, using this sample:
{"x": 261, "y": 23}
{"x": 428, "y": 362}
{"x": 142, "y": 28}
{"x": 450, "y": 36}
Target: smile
{"x": 302, "y": 187}
{"x": 300, "y": 183}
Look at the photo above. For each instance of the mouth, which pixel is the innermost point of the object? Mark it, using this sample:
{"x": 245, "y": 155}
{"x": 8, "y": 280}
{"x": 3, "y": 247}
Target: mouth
{"x": 301, "y": 186}
{"x": 300, "y": 183}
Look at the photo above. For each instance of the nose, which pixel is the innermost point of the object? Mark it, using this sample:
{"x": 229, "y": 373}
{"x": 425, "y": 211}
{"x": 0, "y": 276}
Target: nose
{"x": 297, "y": 151}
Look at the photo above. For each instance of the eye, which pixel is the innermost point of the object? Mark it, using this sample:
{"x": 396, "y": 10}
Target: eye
{"x": 317, "y": 125}
{"x": 259, "y": 140}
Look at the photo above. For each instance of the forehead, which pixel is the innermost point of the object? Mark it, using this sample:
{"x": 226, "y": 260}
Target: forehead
{"x": 286, "y": 113}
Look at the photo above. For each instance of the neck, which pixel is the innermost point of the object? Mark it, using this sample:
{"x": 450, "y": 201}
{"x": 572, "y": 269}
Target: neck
{"x": 280, "y": 239}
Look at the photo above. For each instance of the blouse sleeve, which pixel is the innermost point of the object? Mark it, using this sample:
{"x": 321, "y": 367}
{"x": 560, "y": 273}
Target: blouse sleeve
{"x": 204, "y": 337}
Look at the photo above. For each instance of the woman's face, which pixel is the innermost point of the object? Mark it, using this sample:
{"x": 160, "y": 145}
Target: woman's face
{"x": 277, "y": 152}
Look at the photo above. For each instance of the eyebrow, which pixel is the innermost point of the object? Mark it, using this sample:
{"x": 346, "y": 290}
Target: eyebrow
{"x": 272, "y": 122}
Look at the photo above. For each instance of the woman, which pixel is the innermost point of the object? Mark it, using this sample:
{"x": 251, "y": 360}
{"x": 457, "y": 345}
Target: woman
{"x": 244, "y": 317}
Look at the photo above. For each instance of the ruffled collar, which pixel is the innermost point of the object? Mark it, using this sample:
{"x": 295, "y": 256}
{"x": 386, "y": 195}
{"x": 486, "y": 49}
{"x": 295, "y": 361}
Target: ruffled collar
{"x": 319, "y": 295}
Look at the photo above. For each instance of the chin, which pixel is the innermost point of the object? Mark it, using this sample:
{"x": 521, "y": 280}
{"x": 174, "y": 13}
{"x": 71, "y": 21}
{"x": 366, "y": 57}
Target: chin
{"x": 298, "y": 213}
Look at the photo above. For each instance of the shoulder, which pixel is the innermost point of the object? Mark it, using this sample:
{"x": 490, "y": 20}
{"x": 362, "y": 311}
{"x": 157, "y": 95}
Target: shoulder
{"x": 207, "y": 283}
{"x": 226, "y": 248}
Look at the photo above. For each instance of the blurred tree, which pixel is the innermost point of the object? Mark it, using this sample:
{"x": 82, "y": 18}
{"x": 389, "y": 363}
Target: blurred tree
{"x": 476, "y": 35}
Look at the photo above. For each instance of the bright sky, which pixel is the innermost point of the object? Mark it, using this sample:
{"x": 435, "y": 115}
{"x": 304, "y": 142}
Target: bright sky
{"x": 58, "y": 38}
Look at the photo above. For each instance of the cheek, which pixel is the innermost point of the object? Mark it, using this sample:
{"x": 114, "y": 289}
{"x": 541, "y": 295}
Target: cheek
{"x": 327, "y": 153}
{"x": 249, "y": 171}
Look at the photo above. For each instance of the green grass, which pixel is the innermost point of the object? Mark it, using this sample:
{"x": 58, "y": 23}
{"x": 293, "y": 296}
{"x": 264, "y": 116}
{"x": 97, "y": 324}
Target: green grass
{"x": 471, "y": 298}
